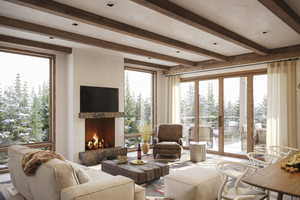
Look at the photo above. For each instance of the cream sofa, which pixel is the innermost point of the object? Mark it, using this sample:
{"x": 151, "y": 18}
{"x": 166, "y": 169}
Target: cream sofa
{"x": 61, "y": 180}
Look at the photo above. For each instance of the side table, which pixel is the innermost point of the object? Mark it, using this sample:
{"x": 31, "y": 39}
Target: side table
{"x": 197, "y": 151}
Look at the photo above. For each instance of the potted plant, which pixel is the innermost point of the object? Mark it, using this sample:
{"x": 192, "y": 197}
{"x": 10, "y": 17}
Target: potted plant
{"x": 146, "y": 136}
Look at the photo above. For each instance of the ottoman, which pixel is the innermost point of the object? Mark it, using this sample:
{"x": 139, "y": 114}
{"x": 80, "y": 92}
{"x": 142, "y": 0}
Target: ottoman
{"x": 198, "y": 151}
{"x": 195, "y": 183}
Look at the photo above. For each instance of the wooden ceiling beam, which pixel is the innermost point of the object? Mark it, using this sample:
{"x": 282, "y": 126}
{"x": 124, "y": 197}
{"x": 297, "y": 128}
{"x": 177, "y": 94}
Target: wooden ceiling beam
{"x": 282, "y": 10}
{"x": 146, "y": 64}
{"x": 74, "y": 37}
{"x": 176, "y": 12}
{"x": 241, "y": 60}
{"x": 31, "y": 43}
{"x": 73, "y": 13}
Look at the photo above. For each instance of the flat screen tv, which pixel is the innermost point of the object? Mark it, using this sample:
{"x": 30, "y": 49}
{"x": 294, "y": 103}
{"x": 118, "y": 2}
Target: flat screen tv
{"x": 99, "y": 99}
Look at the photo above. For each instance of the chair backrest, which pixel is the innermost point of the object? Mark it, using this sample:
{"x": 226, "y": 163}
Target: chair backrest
{"x": 204, "y": 134}
{"x": 278, "y": 151}
{"x": 262, "y": 159}
{"x": 169, "y": 132}
{"x": 233, "y": 173}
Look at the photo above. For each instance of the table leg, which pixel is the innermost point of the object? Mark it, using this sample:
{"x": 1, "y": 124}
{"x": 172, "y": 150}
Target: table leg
{"x": 280, "y": 196}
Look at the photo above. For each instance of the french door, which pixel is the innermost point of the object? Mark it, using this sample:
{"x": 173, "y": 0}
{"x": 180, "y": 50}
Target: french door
{"x": 226, "y": 112}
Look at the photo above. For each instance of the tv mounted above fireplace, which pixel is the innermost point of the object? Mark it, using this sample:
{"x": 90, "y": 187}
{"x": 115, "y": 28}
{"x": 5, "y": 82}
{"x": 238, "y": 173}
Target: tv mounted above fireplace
{"x": 99, "y": 99}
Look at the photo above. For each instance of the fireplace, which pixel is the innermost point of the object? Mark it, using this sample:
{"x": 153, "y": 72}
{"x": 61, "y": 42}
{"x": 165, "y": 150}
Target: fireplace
{"x": 99, "y": 133}
{"x": 99, "y": 107}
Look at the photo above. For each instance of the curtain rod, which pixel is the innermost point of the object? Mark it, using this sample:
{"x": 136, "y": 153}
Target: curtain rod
{"x": 232, "y": 67}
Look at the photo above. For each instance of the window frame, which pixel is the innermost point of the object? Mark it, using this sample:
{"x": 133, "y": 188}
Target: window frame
{"x": 250, "y": 106}
{"x": 50, "y": 144}
{"x": 154, "y": 102}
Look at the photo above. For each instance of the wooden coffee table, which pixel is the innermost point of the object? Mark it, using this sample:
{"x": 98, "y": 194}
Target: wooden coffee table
{"x": 139, "y": 173}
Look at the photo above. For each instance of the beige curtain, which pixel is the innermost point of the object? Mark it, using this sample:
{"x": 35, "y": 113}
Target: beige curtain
{"x": 173, "y": 99}
{"x": 281, "y": 117}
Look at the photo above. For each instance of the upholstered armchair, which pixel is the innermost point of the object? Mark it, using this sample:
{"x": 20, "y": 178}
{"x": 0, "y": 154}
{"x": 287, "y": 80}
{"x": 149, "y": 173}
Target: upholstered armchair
{"x": 168, "y": 141}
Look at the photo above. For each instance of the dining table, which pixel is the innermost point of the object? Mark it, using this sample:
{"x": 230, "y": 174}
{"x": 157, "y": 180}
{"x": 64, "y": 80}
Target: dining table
{"x": 273, "y": 178}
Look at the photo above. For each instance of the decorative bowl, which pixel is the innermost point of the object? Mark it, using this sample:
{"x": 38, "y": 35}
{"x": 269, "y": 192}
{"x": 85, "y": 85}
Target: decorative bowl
{"x": 138, "y": 162}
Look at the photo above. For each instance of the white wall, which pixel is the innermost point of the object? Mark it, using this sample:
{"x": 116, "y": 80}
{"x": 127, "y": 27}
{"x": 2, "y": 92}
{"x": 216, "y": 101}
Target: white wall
{"x": 94, "y": 68}
{"x": 61, "y": 114}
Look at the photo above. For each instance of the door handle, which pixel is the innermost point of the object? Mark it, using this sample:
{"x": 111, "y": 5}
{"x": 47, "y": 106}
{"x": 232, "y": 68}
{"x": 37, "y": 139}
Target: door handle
{"x": 220, "y": 121}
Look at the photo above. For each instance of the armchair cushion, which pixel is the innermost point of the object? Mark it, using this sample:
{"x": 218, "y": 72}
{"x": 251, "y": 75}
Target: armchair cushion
{"x": 168, "y": 145}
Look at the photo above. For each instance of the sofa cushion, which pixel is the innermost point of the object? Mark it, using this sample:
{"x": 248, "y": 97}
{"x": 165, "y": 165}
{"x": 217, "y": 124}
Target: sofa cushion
{"x": 65, "y": 175}
{"x": 83, "y": 176}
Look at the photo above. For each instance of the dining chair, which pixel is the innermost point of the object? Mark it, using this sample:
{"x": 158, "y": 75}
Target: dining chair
{"x": 232, "y": 187}
{"x": 262, "y": 159}
{"x": 282, "y": 151}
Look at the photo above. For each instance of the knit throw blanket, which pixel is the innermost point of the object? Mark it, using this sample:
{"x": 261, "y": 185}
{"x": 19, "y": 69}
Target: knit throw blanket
{"x": 33, "y": 160}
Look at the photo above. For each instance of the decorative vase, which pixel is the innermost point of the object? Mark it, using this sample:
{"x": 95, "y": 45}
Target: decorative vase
{"x": 145, "y": 148}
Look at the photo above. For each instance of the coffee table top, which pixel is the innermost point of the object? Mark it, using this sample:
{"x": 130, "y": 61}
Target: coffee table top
{"x": 128, "y": 165}
{"x": 139, "y": 173}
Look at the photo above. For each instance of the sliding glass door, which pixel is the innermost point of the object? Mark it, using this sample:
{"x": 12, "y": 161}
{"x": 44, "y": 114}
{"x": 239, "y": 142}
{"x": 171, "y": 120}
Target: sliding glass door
{"x": 226, "y": 111}
{"x": 235, "y": 115}
{"x": 260, "y": 83}
{"x": 208, "y": 129}
{"x": 187, "y": 110}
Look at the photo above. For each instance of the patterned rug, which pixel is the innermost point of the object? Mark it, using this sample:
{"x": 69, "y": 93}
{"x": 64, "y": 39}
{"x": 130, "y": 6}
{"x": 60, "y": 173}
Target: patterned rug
{"x": 155, "y": 190}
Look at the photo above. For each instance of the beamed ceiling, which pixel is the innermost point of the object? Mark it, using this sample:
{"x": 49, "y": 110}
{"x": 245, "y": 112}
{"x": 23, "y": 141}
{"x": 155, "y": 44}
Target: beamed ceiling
{"x": 177, "y": 35}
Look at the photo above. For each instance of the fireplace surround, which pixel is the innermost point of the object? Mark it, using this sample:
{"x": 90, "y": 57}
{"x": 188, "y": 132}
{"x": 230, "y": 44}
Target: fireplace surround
{"x": 100, "y": 137}
{"x": 99, "y": 133}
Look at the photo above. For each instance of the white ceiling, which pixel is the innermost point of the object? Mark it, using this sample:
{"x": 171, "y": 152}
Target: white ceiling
{"x": 246, "y": 17}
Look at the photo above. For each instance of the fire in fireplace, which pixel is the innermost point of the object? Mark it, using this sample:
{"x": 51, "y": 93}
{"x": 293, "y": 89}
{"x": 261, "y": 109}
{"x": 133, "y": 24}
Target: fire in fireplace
{"x": 95, "y": 143}
{"x": 99, "y": 133}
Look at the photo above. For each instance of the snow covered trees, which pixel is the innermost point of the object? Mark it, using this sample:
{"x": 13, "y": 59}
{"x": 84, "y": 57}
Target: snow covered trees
{"x": 24, "y": 118}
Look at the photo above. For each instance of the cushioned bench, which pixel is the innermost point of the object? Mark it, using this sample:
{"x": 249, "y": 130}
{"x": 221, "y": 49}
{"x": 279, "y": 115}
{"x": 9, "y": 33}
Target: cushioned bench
{"x": 194, "y": 183}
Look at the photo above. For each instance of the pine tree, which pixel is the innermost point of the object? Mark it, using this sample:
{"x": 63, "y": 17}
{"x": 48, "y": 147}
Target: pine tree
{"x": 1, "y": 112}
{"x": 44, "y": 111}
{"x": 35, "y": 123}
{"x": 261, "y": 112}
{"x": 130, "y": 110}
{"x": 187, "y": 105}
{"x": 147, "y": 115}
{"x": 138, "y": 107}
{"x": 18, "y": 93}
{"x": 23, "y": 118}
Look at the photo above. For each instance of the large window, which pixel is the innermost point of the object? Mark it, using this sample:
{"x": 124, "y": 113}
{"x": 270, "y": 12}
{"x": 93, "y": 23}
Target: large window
{"x": 187, "y": 110}
{"x": 25, "y": 102}
{"x": 209, "y": 113}
{"x": 139, "y": 109}
{"x": 260, "y": 83}
{"x": 228, "y": 111}
{"x": 235, "y": 115}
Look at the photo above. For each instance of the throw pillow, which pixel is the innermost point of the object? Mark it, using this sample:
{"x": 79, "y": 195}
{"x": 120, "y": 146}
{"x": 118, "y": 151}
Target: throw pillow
{"x": 82, "y": 176}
